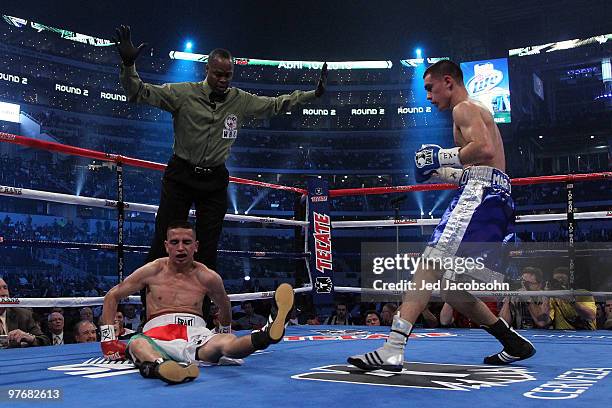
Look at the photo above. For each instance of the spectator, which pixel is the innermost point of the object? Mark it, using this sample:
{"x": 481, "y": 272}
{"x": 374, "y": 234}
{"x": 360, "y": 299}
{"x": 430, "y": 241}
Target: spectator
{"x": 573, "y": 313}
{"x": 294, "y": 319}
{"x": 250, "y": 320}
{"x": 600, "y": 318}
{"x": 86, "y": 314}
{"x": 85, "y": 332}
{"x": 120, "y": 331}
{"x": 131, "y": 319}
{"x": 386, "y": 314}
{"x": 312, "y": 319}
{"x": 608, "y": 312}
{"x": 372, "y": 318}
{"x": 19, "y": 325}
{"x": 340, "y": 317}
{"x": 527, "y": 312}
{"x": 56, "y": 332}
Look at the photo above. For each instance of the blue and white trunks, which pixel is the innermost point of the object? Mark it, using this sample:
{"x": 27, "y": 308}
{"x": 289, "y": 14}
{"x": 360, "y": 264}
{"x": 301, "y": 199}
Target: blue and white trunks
{"x": 475, "y": 223}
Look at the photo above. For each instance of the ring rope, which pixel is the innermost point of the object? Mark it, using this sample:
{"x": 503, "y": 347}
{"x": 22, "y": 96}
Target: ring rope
{"x": 117, "y": 158}
{"x": 524, "y": 181}
{"x": 482, "y": 293}
{"x": 422, "y": 222}
{"x": 112, "y": 204}
{"x": 95, "y": 301}
{"x": 140, "y": 248}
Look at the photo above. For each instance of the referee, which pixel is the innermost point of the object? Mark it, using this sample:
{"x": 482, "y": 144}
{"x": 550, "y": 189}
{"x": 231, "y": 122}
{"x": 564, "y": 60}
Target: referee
{"x": 206, "y": 118}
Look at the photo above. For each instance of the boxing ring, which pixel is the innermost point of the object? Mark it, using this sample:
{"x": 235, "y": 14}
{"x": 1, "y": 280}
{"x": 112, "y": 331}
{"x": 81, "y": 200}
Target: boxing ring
{"x": 308, "y": 368}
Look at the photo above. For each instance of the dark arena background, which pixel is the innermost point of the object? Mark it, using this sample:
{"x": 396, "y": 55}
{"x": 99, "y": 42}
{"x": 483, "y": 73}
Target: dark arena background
{"x": 81, "y": 169}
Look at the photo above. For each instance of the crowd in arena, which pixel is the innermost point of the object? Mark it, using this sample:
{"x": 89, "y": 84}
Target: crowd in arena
{"x": 56, "y": 326}
{"x": 356, "y": 138}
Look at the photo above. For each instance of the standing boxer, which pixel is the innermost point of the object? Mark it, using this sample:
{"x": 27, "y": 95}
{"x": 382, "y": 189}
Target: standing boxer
{"x": 480, "y": 212}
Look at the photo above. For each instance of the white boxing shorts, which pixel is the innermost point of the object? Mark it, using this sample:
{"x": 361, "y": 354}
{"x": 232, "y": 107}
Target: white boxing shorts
{"x": 176, "y": 336}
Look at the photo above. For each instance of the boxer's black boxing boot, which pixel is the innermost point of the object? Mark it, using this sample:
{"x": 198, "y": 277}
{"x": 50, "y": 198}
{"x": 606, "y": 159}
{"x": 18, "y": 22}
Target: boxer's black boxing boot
{"x": 516, "y": 347}
{"x": 169, "y": 371}
{"x": 274, "y": 330}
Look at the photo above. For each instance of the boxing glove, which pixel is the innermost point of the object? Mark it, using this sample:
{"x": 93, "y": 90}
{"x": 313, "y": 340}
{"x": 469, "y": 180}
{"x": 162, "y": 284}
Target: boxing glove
{"x": 431, "y": 157}
{"x": 112, "y": 348}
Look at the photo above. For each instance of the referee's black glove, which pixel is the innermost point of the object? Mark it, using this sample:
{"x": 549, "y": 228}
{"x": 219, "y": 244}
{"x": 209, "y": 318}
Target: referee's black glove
{"x": 127, "y": 51}
{"x": 322, "y": 81}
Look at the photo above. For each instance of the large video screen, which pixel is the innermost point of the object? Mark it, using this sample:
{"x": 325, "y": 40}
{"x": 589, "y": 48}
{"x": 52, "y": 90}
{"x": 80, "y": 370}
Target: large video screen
{"x": 487, "y": 81}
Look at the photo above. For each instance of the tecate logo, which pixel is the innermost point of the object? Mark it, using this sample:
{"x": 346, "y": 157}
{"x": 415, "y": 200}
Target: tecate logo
{"x": 483, "y": 83}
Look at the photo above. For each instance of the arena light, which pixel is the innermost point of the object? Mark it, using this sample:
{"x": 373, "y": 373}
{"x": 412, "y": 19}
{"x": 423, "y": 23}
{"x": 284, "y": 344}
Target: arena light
{"x": 280, "y": 64}
{"x": 188, "y": 46}
{"x": 65, "y": 34}
{"x": 558, "y": 46}
{"x": 606, "y": 70}
{"x": 418, "y": 52}
{"x": 9, "y": 112}
{"x": 260, "y": 196}
{"x": 415, "y": 62}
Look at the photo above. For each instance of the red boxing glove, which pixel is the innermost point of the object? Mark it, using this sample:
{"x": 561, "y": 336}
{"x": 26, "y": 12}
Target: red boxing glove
{"x": 112, "y": 348}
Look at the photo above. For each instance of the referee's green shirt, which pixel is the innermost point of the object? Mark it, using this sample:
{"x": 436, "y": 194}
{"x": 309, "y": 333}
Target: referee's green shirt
{"x": 203, "y": 135}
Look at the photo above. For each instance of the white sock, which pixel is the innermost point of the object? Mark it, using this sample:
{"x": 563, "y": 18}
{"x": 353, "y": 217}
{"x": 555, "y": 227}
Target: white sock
{"x": 400, "y": 330}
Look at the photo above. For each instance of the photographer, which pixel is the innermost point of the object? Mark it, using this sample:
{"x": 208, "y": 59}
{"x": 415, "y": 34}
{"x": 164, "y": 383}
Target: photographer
{"x": 527, "y": 313}
{"x": 607, "y": 324}
{"x": 570, "y": 312}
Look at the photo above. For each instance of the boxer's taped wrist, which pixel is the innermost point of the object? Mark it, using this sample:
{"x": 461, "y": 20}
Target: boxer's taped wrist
{"x": 449, "y": 157}
{"x": 447, "y": 175}
{"x": 107, "y": 333}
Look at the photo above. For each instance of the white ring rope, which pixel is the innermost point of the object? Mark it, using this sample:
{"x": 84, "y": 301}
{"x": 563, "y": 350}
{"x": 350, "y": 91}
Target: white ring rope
{"x": 147, "y": 208}
{"x": 415, "y": 222}
{"x": 94, "y": 301}
{"x": 481, "y": 293}
{"x": 112, "y": 204}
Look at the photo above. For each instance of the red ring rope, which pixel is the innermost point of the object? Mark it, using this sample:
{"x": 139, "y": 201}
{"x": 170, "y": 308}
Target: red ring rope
{"x": 93, "y": 154}
{"x": 117, "y": 158}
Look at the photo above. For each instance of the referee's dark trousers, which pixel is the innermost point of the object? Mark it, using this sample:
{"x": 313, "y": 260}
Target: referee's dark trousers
{"x": 184, "y": 184}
